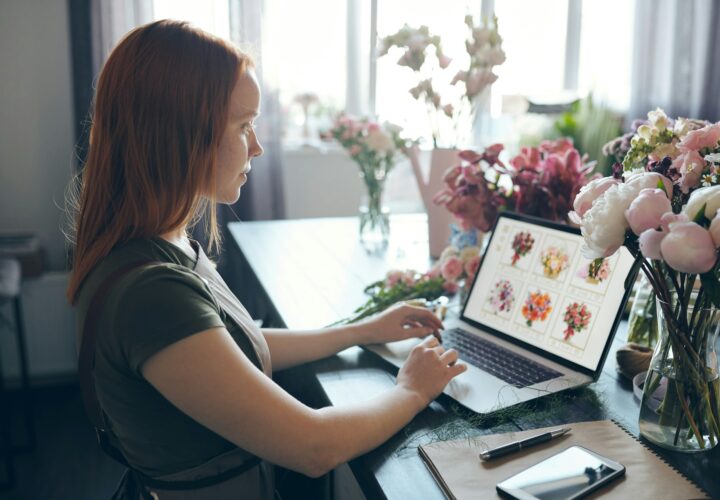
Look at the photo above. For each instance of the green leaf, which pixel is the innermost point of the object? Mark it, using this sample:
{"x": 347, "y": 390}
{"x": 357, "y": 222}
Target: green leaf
{"x": 711, "y": 285}
{"x": 661, "y": 185}
{"x": 700, "y": 215}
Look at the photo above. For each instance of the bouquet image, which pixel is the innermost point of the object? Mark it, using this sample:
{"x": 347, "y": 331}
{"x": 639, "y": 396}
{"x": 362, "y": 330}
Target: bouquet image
{"x": 577, "y": 318}
{"x": 537, "y": 307}
{"x": 597, "y": 271}
{"x": 521, "y": 245}
{"x": 661, "y": 204}
{"x": 554, "y": 261}
{"x": 502, "y": 296}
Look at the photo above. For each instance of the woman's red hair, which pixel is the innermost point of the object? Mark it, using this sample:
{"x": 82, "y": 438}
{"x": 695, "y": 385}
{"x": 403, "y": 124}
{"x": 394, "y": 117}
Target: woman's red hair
{"x": 160, "y": 110}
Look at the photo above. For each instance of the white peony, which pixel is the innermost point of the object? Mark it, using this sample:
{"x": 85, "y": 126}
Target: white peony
{"x": 379, "y": 141}
{"x": 604, "y": 224}
{"x": 705, "y": 196}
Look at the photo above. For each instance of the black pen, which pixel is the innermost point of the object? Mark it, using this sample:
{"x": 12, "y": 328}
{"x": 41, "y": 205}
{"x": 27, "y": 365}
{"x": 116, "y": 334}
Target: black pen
{"x": 523, "y": 443}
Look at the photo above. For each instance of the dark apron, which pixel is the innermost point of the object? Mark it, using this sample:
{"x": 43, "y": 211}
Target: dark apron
{"x": 232, "y": 475}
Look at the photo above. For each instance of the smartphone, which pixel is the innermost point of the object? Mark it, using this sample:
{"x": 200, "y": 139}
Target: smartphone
{"x": 570, "y": 474}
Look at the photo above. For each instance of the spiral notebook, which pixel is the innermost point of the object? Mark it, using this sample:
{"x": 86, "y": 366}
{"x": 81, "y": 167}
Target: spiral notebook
{"x": 461, "y": 474}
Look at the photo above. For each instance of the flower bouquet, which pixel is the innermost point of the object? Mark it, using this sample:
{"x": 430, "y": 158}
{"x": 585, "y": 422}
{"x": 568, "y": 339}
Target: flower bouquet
{"x": 577, "y": 318}
{"x": 502, "y": 296}
{"x": 457, "y": 267}
{"x": 522, "y": 244}
{"x": 662, "y": 205}
{"x": 373, "y": 147}
{"x": 597, "y": 271}
{"x": 422, "y": 53}
{"x": 540, "y": 181}
{"x": 554, "y": 261}
{"x": 537, "y": 307}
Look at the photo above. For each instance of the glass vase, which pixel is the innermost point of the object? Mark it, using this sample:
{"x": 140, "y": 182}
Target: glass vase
{"x": 679, "y": 408}
{"x": 374, "y": 216}
{"x": 642, "y": 322}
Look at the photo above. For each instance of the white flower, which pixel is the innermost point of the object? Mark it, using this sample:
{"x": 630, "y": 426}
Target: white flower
{"x": 704, "y": 196}
{"x": 682, "y": 127}
{"x": 379, "y": 141}
{"x": 646, "y": 132}
{"x": 713, "y": 158}
{"x": 469, "y": 253}
{"x": 604, "y": 225}
{"x": 450, "y": 251}
{"x": 658, "y": 118}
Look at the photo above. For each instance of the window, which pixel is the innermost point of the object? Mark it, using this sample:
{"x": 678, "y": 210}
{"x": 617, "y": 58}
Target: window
{"x": 210, "y": 15}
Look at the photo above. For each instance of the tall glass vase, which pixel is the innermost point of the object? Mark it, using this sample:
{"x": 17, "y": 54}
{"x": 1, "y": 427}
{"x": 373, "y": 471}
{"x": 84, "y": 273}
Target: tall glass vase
{"x": 374, "y": 216}
{"x": 679, "y": 408}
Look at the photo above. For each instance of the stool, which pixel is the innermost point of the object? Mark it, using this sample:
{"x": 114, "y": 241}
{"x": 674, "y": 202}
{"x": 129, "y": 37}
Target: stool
{"x": 10, "y": 275}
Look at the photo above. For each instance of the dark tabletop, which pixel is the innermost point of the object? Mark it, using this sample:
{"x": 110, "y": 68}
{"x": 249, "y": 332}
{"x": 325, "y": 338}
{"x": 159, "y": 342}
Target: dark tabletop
{"x": 309, "y": 273}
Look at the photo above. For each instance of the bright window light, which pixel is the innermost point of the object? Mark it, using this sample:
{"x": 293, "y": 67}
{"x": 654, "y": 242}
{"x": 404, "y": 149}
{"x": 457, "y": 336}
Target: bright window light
{"x": 210, "y": 15}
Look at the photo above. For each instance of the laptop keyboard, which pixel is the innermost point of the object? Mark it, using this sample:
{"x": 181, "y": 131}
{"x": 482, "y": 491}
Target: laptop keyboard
{"x": 496, "y": 360}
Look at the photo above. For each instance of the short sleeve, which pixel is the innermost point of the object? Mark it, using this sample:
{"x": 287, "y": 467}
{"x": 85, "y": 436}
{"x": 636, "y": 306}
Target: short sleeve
{"x": 159, "y": 306}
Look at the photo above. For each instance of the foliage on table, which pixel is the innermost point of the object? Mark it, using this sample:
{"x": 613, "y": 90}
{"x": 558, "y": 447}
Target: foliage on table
{"x": 422, "y": 53}
{"x": 662, "y": 204}
{"x": 540, "y": 181}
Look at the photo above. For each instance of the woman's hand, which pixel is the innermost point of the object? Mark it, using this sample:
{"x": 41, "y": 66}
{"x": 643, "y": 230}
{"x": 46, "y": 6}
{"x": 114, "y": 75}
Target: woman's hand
{"x": 428, "y": 370}
{"x": 399, "y": 322}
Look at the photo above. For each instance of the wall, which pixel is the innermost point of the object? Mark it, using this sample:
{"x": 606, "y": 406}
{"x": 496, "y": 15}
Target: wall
{"x": 36, "y": 120}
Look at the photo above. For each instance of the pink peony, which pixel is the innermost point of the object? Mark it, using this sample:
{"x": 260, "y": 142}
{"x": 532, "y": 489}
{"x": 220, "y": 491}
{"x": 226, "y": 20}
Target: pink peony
{"x": 646, "y": 210}
{"x": 649, "y": 180}
{"x": 688, "y": 248}
{"x": 650, "y": 241}
{"x": 451, "y": 286}
{"x": 590, "y": 192}
{"x": 444, "y": 61}
{"x": 669, "y": 217}
{"x": 451, "y": 268}
{"x": 706, "y": 137}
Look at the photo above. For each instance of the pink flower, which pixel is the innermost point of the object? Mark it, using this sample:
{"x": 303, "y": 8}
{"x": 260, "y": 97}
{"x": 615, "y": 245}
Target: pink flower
{"x": 478, "y": 81}
{"x": 444, "y": 61}
{"x": 650, "y": 180}
{"x": 451, "y": 268}
{"x": 433, "y": 273}
{"x": 688, "y": 248}
{"x": 528, "y": 157}
{"x": 373, "y": 127}
{"x": 448, "y": 110}
{"x": 559, "y": 146}
{"x": 355, "y": 150}
{"x": 669, "y": 217}
{"x": 590, "y": 192}
{"x": 715, "y": 230}
{"x": 646, "y": 210}
{"x": 650, "y": 241}
{"x": 471, "y": 267}
{"x": 690, "y": 165}
{"x": 706, "y": 137}
{"x": 451, "y": 286}
{"x": 392, "y": 278}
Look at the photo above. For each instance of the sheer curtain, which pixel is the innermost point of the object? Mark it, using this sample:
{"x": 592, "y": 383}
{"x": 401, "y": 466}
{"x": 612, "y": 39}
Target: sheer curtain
{"x": 675, "y": 58}
{"x": 110, "y": 20}
{"x": 262, "y": 196}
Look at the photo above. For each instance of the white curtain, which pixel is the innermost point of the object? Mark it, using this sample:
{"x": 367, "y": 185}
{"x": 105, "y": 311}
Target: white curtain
{"x": 262, "y": 196}
{"x": 675, "y": 58}
{"x": 110, "y": 20}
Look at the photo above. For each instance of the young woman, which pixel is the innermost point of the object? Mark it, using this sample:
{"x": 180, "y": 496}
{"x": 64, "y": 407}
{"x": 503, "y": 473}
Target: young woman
{"x": 182, "y": 374}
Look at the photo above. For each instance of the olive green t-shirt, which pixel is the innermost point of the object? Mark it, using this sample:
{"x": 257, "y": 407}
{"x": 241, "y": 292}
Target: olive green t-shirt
{"x": 146, "y": 311}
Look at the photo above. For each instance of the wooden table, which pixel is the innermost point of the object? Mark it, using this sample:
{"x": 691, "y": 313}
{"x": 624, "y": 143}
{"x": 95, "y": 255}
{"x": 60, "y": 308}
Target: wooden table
{"x": 309, "y": 273}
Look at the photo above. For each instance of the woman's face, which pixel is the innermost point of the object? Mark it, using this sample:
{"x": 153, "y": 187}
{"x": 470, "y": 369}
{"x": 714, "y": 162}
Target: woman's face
{"x": 239, "y": 144}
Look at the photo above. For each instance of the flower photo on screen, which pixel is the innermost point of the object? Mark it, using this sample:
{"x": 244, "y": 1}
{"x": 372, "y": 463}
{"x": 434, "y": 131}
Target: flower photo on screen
{"x": 537, "y": 307}
{"x": 522, "y": 244}
{"x": 554, "y": 261}
{"x": 595, "y": 272}
{"x": 577, "y": 318}
{"x": 502, "y": 296}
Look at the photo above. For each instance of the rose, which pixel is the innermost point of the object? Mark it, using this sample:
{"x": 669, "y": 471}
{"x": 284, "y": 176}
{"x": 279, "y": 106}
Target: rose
{"x": 451, "y": 269}
{"x": 688, "y": 248}
{"x": 705, "y": 197}
{"x": 646, "y": 210}
{"x": 690, "y": 165}
{"x": 471, "y": 266}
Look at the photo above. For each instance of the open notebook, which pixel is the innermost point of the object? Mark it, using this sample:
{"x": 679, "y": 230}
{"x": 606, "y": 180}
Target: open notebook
{"x": 461, "y": 474}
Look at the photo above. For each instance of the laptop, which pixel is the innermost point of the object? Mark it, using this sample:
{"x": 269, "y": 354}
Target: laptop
{"x": 538, "y": 319}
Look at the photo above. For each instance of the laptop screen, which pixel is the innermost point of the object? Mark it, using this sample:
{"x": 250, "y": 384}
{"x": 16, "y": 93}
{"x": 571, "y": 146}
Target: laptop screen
{"x": 535, "y": 286}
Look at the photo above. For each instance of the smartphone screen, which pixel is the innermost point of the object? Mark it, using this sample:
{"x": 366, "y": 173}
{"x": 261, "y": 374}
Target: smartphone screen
{"x": 570, "y": 474}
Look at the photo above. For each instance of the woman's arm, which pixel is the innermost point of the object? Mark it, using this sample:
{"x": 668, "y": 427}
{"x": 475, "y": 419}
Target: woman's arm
{"x": 289, "y": 348}
{"x": 210, "y": 379}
